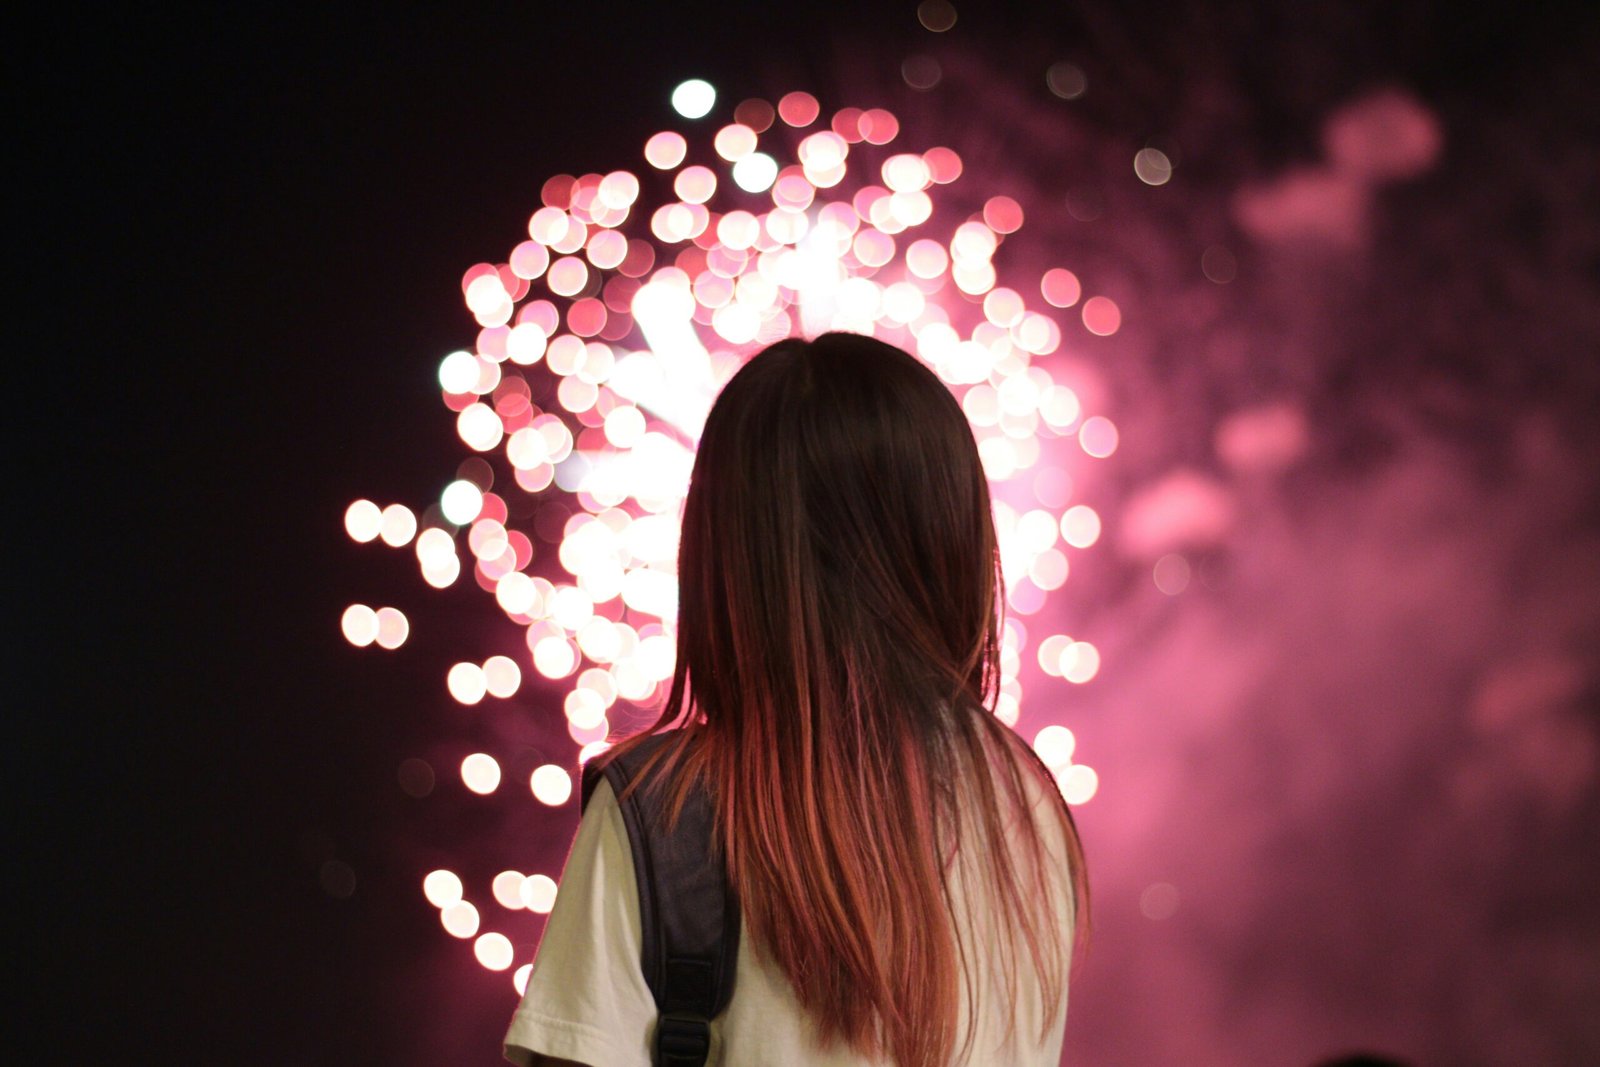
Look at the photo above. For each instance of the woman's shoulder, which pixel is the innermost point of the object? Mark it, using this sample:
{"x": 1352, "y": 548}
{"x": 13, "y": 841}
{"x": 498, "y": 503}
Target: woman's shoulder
{"x": 645, "y": 755}
{"x": 1024, "y": 787}
{"x": 1011, "y": 757}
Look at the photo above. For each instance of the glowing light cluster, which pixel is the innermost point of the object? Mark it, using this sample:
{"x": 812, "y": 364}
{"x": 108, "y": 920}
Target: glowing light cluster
{"x": 605, "y": 336}
{"x": 444, "y": 890}
{"x": 396, "y": 524}
{"x": 460, "y": 918}
{"x": 384, "y": 627}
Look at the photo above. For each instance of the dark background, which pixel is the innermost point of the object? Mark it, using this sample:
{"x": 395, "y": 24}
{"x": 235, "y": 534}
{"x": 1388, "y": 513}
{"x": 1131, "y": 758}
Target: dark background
{"x": 238, "y": 236}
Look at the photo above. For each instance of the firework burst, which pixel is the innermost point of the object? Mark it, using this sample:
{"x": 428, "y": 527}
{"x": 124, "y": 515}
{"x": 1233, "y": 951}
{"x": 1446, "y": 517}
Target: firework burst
{"x": 602, "y": 341}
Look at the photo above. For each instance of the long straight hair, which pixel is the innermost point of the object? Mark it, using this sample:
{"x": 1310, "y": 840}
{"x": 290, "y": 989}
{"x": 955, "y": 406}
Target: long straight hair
{"x": 837, "y": 661}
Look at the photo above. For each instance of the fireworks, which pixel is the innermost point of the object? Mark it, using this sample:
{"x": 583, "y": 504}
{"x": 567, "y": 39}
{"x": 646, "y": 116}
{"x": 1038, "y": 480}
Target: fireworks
{"x": 603, "y": 340}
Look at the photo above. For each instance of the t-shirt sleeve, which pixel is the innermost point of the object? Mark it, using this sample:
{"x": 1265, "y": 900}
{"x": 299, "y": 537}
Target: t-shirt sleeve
{"x": 586, "y": 998}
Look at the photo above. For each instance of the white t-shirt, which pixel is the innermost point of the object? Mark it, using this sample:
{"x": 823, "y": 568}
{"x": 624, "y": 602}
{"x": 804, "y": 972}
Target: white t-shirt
{"x": 587, "y": 999}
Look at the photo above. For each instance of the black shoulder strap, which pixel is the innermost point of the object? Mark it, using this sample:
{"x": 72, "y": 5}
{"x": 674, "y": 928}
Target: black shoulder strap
{"x": 688, "y": 916}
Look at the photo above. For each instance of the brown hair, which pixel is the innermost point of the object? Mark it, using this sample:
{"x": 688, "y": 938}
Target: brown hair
{"x": 837, "y": 658}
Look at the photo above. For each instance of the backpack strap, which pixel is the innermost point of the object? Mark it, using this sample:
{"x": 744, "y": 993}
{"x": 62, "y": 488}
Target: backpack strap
{"x": 688, "y": 916}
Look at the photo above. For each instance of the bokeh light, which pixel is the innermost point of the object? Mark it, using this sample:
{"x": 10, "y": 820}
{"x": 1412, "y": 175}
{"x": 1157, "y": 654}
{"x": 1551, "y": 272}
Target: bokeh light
{"x": 755, "y": 172}
{"x": 1098, "y": 436}
{"x": 1152, "y": 166}
{"x": 467, "y": 683}
{"x": 936, "y": 15}
{"x": 694, "y": 98}
{"x": 1066, "y": 80}
{"x": 397, "y": 525}
{"x": 507, "y": 889}
{"x": 442, "y": 888}
{"x": 1080, "y": 526}
{"x": 1159, "y": 901}
{"x": 798, "y": 108}
{"x": 1101, "y": 316}
{"x": 551, "y": 785}
{"x": 921, "y": 72}
{"x": 493, "y": 951}
{"x": 665, "y": 150}
{"x": 1219, "y": 265}
{"x": 460, "y": 919}
{"x": 392, "y": 628}
{"x": 1055, "y": 745}
{"x": 538, "y": 893}
{"x": 756, "y": 114}
{"x": 461, "y": 502}
{"x": 480, "y": 772}
{"x": 1079, "y": 784}
{"x": 359, "y": 625}
{"x": 363, "y": 521}
{"x": 1171, "y": 574}
{"x": 416, "y": 777}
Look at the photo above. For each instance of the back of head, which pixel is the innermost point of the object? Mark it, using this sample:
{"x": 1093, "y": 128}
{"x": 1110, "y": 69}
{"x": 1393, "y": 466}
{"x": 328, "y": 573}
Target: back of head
{"x": 837, "y": 659}
{"x": 838, "y": 522}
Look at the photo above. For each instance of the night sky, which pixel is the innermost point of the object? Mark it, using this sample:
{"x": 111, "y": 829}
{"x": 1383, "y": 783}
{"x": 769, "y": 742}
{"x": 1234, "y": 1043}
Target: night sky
{"x": 1350, "y": 769}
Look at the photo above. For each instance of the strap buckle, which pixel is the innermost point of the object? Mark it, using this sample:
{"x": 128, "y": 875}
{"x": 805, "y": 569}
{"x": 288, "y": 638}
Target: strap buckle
{"x": 682, "y": 1039}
